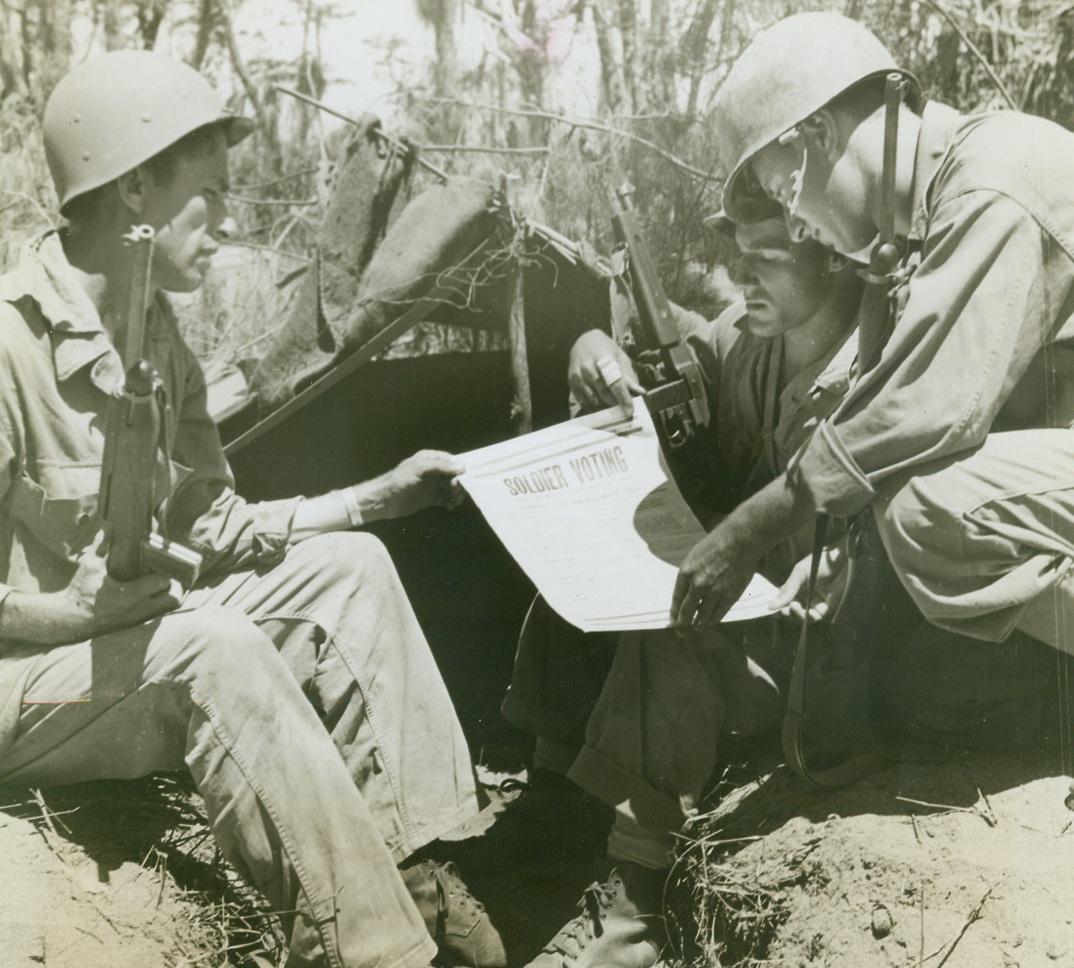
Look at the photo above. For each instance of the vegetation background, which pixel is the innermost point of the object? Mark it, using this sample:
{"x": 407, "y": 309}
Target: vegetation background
{"x": 568, "y": 98}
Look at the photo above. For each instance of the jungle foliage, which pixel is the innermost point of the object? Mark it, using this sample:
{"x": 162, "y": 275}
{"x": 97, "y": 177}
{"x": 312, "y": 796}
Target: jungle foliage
{"x": 507, "y": 106}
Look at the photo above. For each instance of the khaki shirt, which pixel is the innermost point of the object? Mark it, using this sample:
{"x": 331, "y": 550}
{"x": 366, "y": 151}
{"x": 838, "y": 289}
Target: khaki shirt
{"x": 985, "y": 336}
{"x": 57, "y": 369}
{"x": 756, "y": 427}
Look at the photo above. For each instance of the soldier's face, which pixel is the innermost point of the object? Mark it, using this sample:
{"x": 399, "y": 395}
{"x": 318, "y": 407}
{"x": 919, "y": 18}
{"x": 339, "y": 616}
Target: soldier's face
{"x": 823, "y": 194}
{"x": 189, "y": 213}
{"x": 784, "y": 283}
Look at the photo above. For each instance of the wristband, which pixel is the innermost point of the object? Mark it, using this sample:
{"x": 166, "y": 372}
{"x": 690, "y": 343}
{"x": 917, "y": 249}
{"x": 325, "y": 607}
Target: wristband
{"x": 351, "y": 506}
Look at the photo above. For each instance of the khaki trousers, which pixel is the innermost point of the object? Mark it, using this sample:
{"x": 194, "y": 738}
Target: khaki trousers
{"x": 984, "y": 541}
{"x": 653, "y": 720}
{"x": 306, "y": 705}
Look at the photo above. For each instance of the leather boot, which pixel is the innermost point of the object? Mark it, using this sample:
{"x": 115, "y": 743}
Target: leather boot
{"x": 455, "y": 919}
{"x": 620, "y": 924}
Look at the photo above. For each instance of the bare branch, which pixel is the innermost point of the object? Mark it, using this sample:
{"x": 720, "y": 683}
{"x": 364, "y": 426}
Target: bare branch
{"x": 973, "y": 49}
{"x": 481, "y": 149}
{"x": 589, "y": 124}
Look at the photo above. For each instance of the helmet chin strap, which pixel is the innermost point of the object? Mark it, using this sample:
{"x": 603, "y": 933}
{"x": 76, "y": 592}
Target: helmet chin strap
{"x": 797, "y": 177}
{"x": 798, "y": 182}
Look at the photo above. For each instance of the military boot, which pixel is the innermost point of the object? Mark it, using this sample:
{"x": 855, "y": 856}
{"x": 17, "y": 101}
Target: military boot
{"x": 620, "y": 924}
{"x": 455, "y": 919}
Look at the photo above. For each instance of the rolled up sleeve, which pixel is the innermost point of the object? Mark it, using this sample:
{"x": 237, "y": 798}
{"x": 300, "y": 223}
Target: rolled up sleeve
{"x": 981, "y": 305}
{"x": 8, "y": 409}
{"x": 204, "y": 512}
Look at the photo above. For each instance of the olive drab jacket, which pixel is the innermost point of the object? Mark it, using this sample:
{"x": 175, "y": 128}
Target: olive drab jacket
{"x": 984, "y": 338}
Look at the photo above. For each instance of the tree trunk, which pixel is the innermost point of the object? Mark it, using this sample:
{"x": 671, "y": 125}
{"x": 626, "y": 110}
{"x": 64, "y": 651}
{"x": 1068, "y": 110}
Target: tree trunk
{"x": 53, "y": 42}
{"x": 660, "y": 58}
{"x": 445, "y": 73}
{"x": 727, "y": 19}
{"x": 206, "y": 23}
{"x": 11, "y": 56}
{"x": 530, "y": 64}
{"x": 150, "y": 16}
{"x": 611, "y": 74}
{"x": 628, "y": 27}
{"x": 695, "y": 43}
{"x": 112, "y": 21}
{"x": 238, "y": 64}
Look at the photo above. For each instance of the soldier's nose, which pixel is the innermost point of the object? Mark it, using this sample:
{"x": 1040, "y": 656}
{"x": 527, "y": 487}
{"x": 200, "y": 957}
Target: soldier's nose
{"x": 227, "y": 229}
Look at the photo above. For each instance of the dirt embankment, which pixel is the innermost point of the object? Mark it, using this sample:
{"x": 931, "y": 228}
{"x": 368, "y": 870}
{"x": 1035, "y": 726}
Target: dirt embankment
{"x": 962, "y": 863}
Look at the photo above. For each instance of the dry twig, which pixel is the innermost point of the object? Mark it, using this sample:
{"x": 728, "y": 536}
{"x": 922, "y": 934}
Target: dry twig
{"x": 971, "y": 918}
{"x": 951, "y": 808}
{"x": 584, "y": 123}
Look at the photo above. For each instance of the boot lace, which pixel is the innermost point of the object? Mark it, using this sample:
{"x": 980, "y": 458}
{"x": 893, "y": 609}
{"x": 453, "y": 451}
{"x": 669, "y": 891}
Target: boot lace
{"x": 454, "y": 892}
{"x": 586, "y": 925}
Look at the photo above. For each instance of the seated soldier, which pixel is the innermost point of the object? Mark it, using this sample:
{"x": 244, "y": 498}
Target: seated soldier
{"x": 776, "y": 363}
{"x": 645, "y": 741}
{"x": 292, "y": 680}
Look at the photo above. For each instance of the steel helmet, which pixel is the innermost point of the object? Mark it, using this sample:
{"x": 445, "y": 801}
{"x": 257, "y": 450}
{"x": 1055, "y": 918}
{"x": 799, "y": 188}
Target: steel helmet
{"x": 763, "y": 209}
{"x": 116, "y": 111}
{"x": 789, "y": 71}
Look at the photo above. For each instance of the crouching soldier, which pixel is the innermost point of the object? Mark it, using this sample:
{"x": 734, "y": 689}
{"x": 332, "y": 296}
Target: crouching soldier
{"x": 292, "y": 680}
{"x": 959, "y": 436}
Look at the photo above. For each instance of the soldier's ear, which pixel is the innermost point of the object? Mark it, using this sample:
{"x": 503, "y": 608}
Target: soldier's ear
{"x": 131, "y": 187}
{"x": 822, "y": 132}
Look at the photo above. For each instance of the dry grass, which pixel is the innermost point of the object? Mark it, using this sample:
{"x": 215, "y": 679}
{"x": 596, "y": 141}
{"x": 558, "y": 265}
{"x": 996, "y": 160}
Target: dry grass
{"x": 158, "y": 823}
{"x": 27, "y": 201}
{"x": 736, "y": 908}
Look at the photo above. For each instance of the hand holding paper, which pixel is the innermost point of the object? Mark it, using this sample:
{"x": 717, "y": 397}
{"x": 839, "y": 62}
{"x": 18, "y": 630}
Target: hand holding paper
{"x": 590, "y": 512}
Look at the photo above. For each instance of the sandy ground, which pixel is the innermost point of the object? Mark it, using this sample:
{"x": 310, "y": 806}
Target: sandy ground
{"x": 963, "y": 862}
{"x": 111, "y": 876}
{"x": 58, "y": 908}
{"x": 967, "y": 863}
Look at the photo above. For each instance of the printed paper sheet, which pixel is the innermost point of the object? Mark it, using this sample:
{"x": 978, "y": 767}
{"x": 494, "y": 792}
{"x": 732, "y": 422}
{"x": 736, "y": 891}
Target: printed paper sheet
{"x": 590, "y": 512}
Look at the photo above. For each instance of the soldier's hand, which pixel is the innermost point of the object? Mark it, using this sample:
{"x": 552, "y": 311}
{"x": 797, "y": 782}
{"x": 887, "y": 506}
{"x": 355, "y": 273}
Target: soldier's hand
{"x": 600, "y": 373}
{"x": 712, "y": 577}
{"x": 92, "y": 603}
{"x": 827, "y": 593}
{"x": 427, "y": 479}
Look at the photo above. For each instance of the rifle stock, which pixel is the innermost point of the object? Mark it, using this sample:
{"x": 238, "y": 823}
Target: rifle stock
{"x": 132, "y": 436}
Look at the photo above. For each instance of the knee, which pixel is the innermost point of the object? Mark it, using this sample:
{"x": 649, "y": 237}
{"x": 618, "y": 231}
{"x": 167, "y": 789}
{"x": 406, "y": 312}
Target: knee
{"x": 224, "y": 643}
{"x": 343, "y": 555}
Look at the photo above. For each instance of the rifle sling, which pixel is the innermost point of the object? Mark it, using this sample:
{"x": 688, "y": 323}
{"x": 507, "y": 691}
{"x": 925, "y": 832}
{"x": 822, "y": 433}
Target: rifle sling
{"x": 794, "y": 720}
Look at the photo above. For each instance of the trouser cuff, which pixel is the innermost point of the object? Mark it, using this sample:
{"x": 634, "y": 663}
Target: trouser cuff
{"x": 627, "y": 792}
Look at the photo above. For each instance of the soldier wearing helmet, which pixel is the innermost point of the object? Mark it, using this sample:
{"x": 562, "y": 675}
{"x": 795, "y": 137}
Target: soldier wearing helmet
{"x": 291, "y": 618}
{"x": 959, "y": 436}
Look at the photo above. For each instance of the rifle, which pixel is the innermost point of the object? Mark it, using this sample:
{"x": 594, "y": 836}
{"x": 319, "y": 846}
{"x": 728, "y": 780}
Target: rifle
{"x": 681, "y": 401}
{"x": 877, "y": 315}
{"x": 844, "y": 663}
{"x": 133, "y": 424}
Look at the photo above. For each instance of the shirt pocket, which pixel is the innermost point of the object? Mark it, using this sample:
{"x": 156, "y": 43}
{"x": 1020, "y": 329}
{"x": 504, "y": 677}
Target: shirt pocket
{"x": 60, "y": 508}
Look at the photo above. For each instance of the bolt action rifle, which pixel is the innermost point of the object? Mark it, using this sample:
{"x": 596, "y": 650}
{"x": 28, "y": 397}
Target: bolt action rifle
{"x": 133, "y": 425}
{"x": 680, "y": 401}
